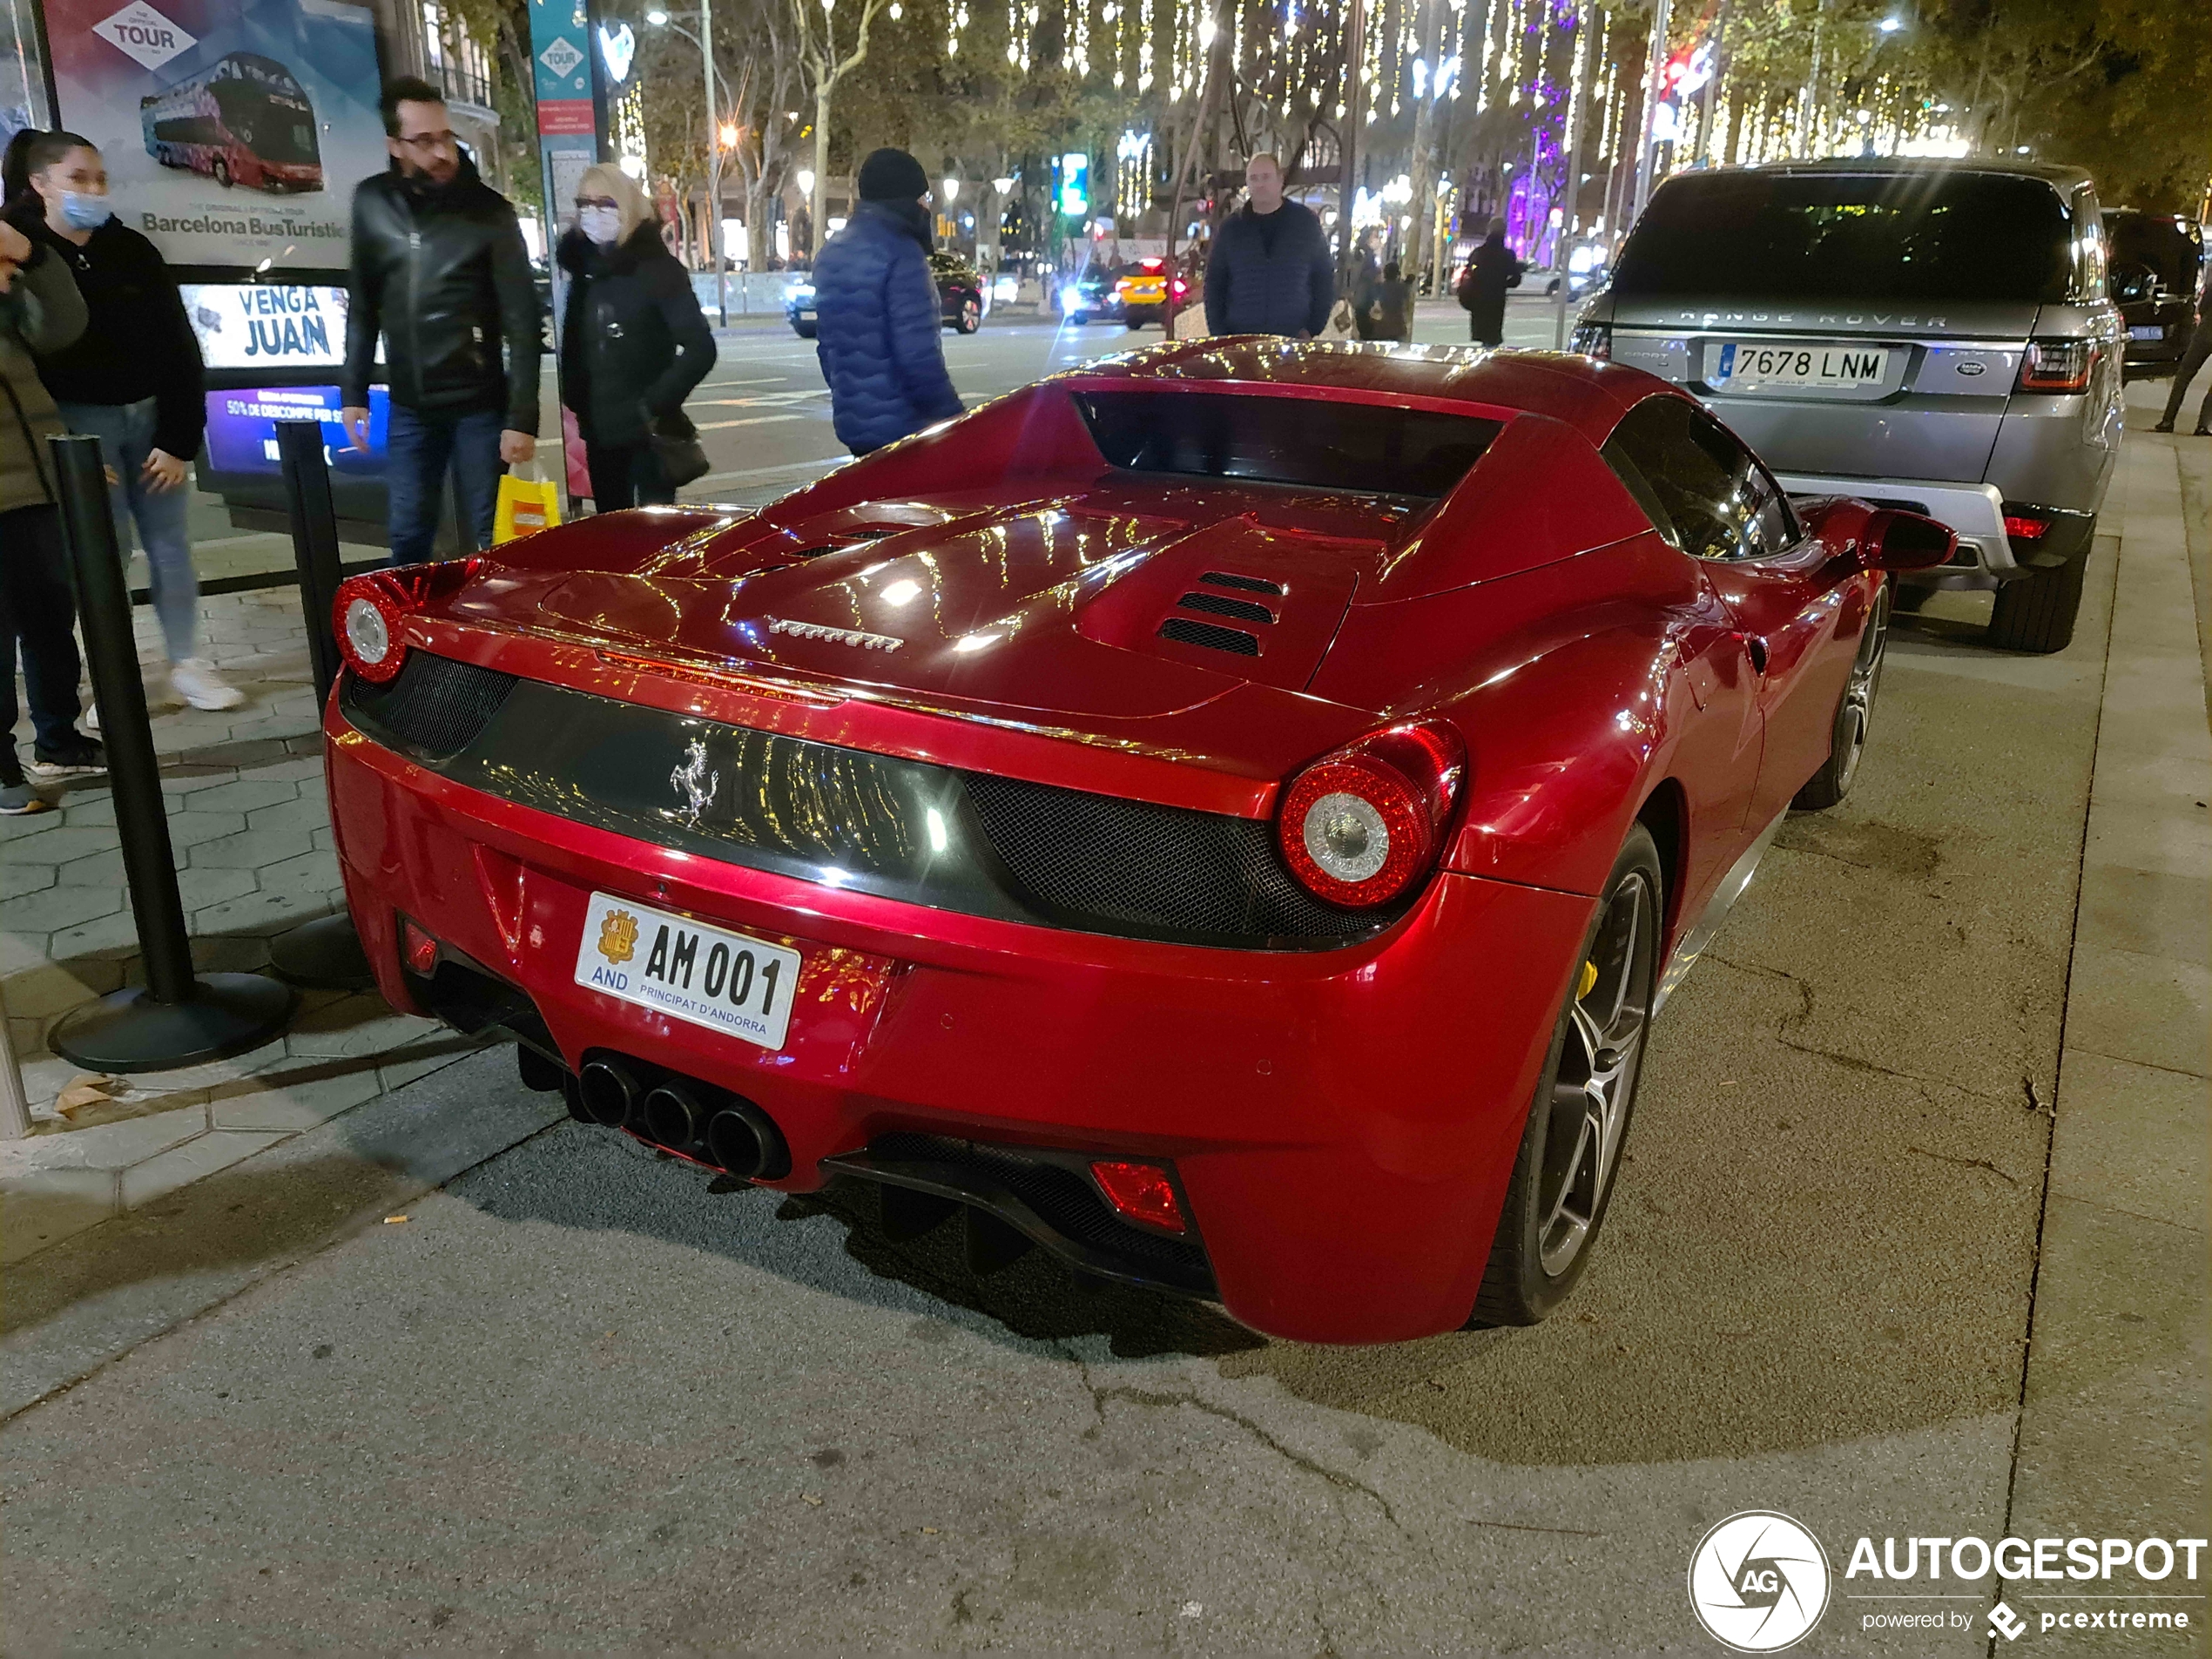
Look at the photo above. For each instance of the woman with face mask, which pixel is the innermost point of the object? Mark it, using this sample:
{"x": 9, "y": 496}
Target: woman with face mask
{"x": 133, "y": 380}
{"x": 633, "y": 340}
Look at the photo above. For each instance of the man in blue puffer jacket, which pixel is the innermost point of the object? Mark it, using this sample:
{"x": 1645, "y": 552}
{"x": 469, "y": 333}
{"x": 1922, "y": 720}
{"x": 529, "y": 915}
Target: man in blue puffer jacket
{"x": 880, "y": 324}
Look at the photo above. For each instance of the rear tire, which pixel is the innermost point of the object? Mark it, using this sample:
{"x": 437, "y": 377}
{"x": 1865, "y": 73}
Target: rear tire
{"x": 2036, "y": 614}
{"x": 1854, "y": 710}
{"x": 1578, "y": 1120}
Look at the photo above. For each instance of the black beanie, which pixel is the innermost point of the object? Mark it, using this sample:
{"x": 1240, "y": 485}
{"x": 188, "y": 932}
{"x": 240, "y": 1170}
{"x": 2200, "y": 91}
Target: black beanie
{"x": 892, "y": 176}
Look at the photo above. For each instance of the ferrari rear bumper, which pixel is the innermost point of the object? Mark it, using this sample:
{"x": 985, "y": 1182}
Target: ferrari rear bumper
{"x": 1341, "y": 1122}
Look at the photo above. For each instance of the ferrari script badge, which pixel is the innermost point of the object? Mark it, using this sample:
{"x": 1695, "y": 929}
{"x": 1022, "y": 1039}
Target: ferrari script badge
{"x": 618, "y": 936}
{"x": 835, "y": 636}
{"x": 694, "y": 782}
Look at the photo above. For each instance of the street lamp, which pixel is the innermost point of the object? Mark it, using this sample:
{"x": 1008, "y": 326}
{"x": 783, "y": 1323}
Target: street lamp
{"x": 1891, "y": 25}
{"x": 806, "y": 182}
{"x": 704, "y": 41}
{"x": 952, "y": 190}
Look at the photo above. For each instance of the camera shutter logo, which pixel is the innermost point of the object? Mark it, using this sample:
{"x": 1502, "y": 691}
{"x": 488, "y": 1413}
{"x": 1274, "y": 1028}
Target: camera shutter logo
{"x": 1758, "y": 1581}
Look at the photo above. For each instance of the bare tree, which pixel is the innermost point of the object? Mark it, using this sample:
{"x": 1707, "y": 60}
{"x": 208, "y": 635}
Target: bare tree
{"x": 826, "y": 64}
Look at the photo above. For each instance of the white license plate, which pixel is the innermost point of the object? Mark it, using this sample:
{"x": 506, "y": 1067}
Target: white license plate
{"x": 728, "y": 983}
{"x": 1748, "y": 363}
{"x": 2147, "y": 331}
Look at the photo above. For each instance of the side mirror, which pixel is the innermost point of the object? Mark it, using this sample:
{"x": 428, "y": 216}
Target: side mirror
{"x": 1891, "y": 539}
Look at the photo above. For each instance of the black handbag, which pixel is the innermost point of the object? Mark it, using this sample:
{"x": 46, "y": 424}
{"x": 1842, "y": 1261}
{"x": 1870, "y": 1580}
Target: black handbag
{"x": 676, "y": 446}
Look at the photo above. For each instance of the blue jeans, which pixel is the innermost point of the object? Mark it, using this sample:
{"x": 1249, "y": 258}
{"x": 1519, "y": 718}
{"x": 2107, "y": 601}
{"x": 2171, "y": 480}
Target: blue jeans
{"x": 126, "y": 432}
{"x": 418, "y": 449}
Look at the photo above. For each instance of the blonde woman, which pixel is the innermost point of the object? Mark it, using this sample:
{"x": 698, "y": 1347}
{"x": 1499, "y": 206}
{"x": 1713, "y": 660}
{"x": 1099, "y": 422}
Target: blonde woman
{"x": 633, "y": 343}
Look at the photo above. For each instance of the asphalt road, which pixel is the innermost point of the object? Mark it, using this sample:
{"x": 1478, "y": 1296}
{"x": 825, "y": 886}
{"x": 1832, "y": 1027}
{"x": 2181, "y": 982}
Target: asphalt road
{"x": 589, "y": 1397}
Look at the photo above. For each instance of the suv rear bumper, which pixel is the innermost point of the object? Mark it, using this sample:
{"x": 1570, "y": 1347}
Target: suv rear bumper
{"x": 1976, "y": 511}
{"x": 1987, "y": 557}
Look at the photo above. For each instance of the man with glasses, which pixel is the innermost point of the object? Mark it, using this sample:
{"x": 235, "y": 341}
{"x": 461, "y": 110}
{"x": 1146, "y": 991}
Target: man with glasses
{"x": 440, "y": 271}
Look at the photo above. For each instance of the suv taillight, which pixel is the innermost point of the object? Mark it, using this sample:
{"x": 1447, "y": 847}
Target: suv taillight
{"x": 366, "y": 611}
{"x": 1361, "y": 826}
{"x": 1592, "y": 340}
{"x": 2057, "y": 365}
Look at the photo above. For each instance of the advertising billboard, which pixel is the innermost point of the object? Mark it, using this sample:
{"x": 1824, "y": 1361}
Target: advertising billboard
{"x": 262, "y": 325}
{"x": 242, "y": 437}
{"x": 234, "y": 130}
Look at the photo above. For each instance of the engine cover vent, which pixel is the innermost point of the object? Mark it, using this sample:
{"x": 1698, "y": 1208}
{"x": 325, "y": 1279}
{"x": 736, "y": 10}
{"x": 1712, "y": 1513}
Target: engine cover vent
{"x": 1221, "y": 605}
{"x": 1249, "y": 584}
{"x": 1214, "y": 638}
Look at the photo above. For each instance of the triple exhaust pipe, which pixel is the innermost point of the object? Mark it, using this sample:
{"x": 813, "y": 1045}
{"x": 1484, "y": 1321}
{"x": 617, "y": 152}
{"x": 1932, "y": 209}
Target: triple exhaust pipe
{"x": 695, "y": 1120}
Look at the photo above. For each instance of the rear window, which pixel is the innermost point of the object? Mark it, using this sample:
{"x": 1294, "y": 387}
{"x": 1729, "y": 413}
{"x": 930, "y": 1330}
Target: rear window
{"x": 1905, "y": 236}
{"x": 1314, "y": 443}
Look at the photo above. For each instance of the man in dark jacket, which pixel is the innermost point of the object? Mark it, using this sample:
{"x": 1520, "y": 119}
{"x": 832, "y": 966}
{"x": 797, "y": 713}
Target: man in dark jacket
{"x": 2198, "y": 353}
{"x": 878, "y": 322}
{"x": 1483, "y": 288}
{"x": 1270, "y": 271}
{"x": 440, "y": 270}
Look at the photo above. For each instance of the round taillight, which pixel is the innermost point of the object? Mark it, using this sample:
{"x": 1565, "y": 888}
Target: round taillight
{"x": 1360, "y": 827}
{"x": 368, "y": 637}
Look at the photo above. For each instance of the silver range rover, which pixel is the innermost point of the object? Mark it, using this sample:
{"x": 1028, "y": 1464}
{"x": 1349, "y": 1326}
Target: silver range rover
{"x": 1933, "y": 335}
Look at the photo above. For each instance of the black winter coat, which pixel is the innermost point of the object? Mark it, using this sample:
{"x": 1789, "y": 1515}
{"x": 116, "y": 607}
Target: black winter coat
{"x": 442, "y": 273}
{"x": 633, "y": 340}
{"x": 1482, "y": 289}
{"x": 1269, "y": 273}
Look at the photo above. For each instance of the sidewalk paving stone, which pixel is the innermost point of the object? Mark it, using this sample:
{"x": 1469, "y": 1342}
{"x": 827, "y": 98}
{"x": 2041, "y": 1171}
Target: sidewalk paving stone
{"x": 203, "y": 1154}
{"x": 249, "y": 825}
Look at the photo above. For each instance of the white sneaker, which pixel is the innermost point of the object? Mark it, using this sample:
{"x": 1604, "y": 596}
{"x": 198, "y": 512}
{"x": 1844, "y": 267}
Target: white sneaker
{"x": 90, "y": 721}
{"x": 196, "y": 681}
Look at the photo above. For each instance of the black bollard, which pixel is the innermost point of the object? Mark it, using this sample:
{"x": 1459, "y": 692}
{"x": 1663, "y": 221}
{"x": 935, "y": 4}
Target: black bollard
{"x": 177, "y": 1018}
{"x": 325, "y": 953}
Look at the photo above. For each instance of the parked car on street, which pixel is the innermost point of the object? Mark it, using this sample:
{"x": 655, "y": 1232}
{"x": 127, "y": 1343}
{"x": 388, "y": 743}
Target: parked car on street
{"x": 1227, "y": 814}
{"x": 960, "y": 288}
{"x": 2157, "y": 274}
{"x": 1930, "y": 335}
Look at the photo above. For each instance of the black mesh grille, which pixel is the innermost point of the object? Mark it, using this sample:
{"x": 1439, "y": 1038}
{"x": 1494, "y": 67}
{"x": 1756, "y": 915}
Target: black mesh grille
{"x": 434, "y": 706}
{"x": 1249, "y": 584}
{"x": 1210, "y": 636}
{"x": 993, "y": 846}
{"x": 1221, "y": 605}
{"x": 1156, "y": 869}
{"x": 1060, "y": 1197}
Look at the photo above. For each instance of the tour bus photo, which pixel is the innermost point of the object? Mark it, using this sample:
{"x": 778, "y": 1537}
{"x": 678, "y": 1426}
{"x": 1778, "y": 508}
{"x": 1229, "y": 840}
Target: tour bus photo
{"x": 243, "y": 121}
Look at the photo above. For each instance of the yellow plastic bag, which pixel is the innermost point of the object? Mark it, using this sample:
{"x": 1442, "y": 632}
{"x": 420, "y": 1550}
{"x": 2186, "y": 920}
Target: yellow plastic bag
{"x": 526, "y": 506}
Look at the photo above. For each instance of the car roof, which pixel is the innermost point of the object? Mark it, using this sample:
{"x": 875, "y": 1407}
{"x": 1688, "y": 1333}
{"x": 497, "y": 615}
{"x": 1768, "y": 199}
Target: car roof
{"x": 1582, "y": 392}
{"x": 2064, "y": 177}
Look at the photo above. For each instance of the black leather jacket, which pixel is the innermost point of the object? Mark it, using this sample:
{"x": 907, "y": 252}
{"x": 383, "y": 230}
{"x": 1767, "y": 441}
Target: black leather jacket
{"x": 442, "y": 273}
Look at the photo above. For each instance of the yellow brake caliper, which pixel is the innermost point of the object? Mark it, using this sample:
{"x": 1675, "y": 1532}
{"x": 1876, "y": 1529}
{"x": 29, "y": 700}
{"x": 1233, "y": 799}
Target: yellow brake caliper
{"x": 1586, "y": 981}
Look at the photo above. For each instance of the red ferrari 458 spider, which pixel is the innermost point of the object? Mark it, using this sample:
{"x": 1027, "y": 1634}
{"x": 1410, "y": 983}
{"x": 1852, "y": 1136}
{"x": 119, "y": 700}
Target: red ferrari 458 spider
{"x": 1227, "y": 813}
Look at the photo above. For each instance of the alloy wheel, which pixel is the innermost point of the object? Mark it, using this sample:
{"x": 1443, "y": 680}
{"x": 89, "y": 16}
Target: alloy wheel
{"x": 1859, "y": 690}
{"x": 1600, "y": 1057}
